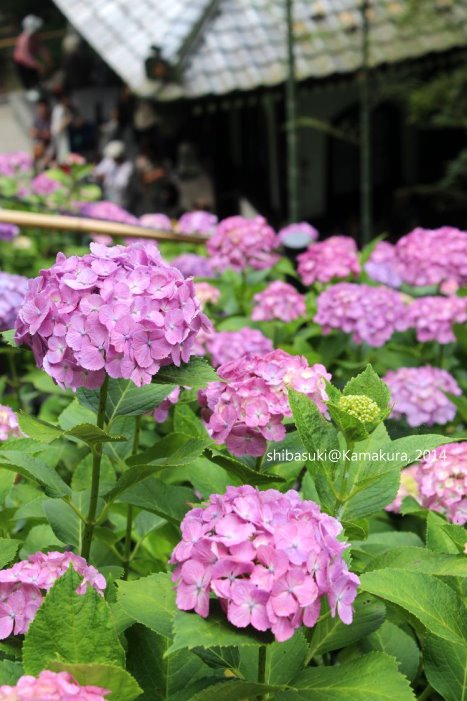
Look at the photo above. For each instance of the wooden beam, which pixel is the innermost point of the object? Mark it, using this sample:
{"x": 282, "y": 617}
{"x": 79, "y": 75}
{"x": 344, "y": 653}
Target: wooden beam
{"x": 94, "y": 226}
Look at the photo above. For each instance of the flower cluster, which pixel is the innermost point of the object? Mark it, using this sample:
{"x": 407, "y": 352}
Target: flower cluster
{"x": 161, "y": 411}
{"x": 156, "y": 221}
{"x": 442, "y": 481}
{"x": 241, "y": 243}
{"x": 408, "y": 488}
{"x": 268, "y": 557}
{"x": 225, "y": 346}
{"x": 207, "y": 293}
{"x": 21, "y": 586}
{"x": 44, "y": 186}
{"x": 13, "y": 289}
{"x": 433, "y": 257}
{"x": 12, "y": 163}
{"x": 51, "y": 686}
{"x": 279, "y": 300}
{"x": 246, "y": 409}
{"x": 197, "y": 222}
{"x": 108, "y": 211}
{"x": 383, "y": 265}
{"x": 121, "y": 311}
{"x": 8, "y": 232}
{"x": 418, "y": 395}
{"x": 297, "y": 235}
{"x": 433, "y": 317}
{"x": 335, "y": 258}
{"x": 192, "y": 265}
{"x": 360, "y": 406}
{"x": 9, "y": 427}
{"x": 370, "y": 314}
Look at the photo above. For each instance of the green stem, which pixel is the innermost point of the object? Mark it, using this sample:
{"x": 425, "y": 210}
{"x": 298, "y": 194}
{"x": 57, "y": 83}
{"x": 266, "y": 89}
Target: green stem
{"x": 96, "y": 470}
{"x": 129, "y": 516}
{"x": 340, "y": 501}
{"x": 262, "y": 655}
{"x": 426, "y": 693}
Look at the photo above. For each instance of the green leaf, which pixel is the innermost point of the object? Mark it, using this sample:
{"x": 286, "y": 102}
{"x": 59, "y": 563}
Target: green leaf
{"x": 460, "y": 403}
{"x": 150, "y": 601}
{"x": 10, "y": 672}
{"x": 234, "y": 690}
{"x": 239, "y": 469}
{"x": 162, "y": 676}
{"x": 8, "y": 337}
{"x": 369, "y": 384}
{"x": 71, "y": 628}
{"x": 75, "y": 414}
{"x": 414, "y": 559}
{"x": 35, "y": 469}
{"x": 396, "y": 642}
{"x": 8, "y": 549}
{"x": 196, "y": 374}
{"x": 190, "y": 630}
{"x": 38, "y": 430}
{"x": 352, "y": 428}
{"x": 436, "y": 536}
{"x": 46, "y": 433}
{"x": 122, "y": 685}
{"x": 125, "y": 399}
{"x": 432, "y": 602}
{"x": 64, "y": 521}
{"x": 186, "y": 421}
{"x": 373, "y": 677}
{"x": 285, "y": 660}
{"x": 316, "y": 433}
{"x": 331, "y": 634}
{"x": 92, "y": 435}
{"x": 165, "y": 500}
{"x": 174, "y": 449}
{"x": 446, "y": 667}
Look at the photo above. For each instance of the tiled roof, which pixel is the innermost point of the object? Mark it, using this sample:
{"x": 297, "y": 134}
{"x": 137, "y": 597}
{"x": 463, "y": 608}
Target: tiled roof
{"x": 242, "y": 45}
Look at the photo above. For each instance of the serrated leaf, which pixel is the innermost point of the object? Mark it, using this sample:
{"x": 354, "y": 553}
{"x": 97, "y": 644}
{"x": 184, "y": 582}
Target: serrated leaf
{"x": 446, "y": 667}
{"x": 46, "y": 433}
{"x": 8, "y": 549}
{"x": 234, "y": 690}
{"x": 10, "y": 672}
{"x": 331, "y": 634}
{"x": 373, "y": 677}
{"x": 237, "y": 468}
{"x": 432, "y": 602}
{"x": 150, "y": 601}
{"x": 64, "y": 521}
{"x": 369, "y": 384}
{"x": 8, "y": 337}
{"x": 396, "y": 642}
{"x": 186, "y": 421}
{"x": 121, "y": 684}
{"x": 190, "y": 630}
{"x": 315, "y": 432}
{"x": 437, "y": 538}
{"x": 196, "y": 374}
{"x": 174, "y": 449}
{"x": 37, "y": 429}
{"x": 93, "y": 435}
{"x": 422, "y": 560}
{"x": 125, "y": 399}
{"x": 35, "y": 469}
{"x": 165, "y": 500}
{"x": 71, "y": 628}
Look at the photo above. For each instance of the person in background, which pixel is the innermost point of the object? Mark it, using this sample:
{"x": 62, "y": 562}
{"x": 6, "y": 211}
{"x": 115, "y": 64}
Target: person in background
{"x": 41, "y": 134}
{"x": 62, "y": 118}
{"x": 149, "y": 182}
{"x": 114, "y": 172}
{"x": 31, "y": 59}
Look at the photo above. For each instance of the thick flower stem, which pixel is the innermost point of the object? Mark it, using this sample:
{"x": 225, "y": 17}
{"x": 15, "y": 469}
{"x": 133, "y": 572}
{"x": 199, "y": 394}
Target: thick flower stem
{"x": 262, "y": 655}
{"x": 340, "y": 501}
{"x": 129, "y": 516}
{"x": 96, "y": 470}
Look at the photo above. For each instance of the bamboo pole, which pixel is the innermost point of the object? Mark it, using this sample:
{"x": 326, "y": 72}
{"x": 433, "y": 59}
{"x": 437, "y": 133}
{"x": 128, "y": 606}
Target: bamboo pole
{"x": 291, "y": 112}
{"x": 83, "y": 225}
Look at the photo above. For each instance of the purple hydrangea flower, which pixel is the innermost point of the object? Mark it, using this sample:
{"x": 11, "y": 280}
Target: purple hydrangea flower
{"x": 9, "y": 427}
{"x": 225, "y": 346}
{"x": 121, "y": 311}
{"x": 8, "y": 232}
{"x": 383, "y": 265}
{"x": 442, "y": 481}
{"x": 419, "y": 395}
{"x": 13, "y": 289}
{"x": 156, "y": 221}
{"x": 192, "y": 265}
{"x": 197, "y": 222}
{"x": 241, "y": 243}
{"x": 278, "y": 300}
{"x": 434, "y": 317}
{"x": 269, "y": 558}
{"x": 15, "y": 162}
{"x": 335, "y": 258}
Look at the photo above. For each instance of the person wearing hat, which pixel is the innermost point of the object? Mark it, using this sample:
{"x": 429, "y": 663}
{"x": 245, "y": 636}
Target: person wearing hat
{"x": 30, "y": 57}
{"x": 114, "y": 173}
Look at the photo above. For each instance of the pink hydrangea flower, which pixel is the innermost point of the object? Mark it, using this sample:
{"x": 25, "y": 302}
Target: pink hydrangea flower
{"x": 434, "y": 317}
{"x": 370, "y": 314}
{"x": 9, "y": 427}
{"x": 433, "y": 257}
{"x": 22, "y": 585}
{"x": 121, "y": 311}
{"x": 298, "y": 235}
{"x": 51, "y": 686}
{"x": 408, "y": 488}
{"x": 383, "y": 265}
{"x": 192, "y": 265}
{"x": 207, "y": 293}
{"x": 418, "y": 395}
{"x": 241, "y": 243}
{"x": 246, "y": 409}
{"x": 43, "y": 185}
{"x": 335, "y": 258}
{"x": 278, "y": 300}
{"x": 442, "y": 481}
{"x": 108, "y": 211}
{"x": 269, "y": 558}
{"x": 13, "y": 289}
{"x": 161, "y": 411}
{"x": 225, "y": 346}
{"x": 197, "y": 222}
{"x": 15, "y": 162}
{"x": 156, "y": 221}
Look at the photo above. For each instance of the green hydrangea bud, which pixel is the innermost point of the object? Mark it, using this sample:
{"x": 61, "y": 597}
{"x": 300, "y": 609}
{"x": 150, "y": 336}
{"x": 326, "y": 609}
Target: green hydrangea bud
{"x": 361, "y": 407}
